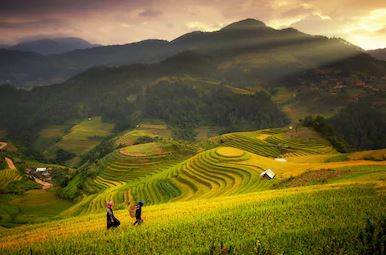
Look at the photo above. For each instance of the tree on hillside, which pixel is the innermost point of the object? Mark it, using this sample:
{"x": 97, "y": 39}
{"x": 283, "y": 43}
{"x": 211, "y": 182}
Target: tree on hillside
{"x": 362, "y": 125}
{"x": 320, "y": 125}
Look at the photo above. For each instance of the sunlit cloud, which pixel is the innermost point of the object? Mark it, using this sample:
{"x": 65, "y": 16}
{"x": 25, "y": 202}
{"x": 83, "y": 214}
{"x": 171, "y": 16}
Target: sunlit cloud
{"x": 196, "y": 25}
{"x": 124, "y": 21}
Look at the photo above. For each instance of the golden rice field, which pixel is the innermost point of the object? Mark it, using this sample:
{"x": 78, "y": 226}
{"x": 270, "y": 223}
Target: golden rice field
{"x": 319, "y": 219}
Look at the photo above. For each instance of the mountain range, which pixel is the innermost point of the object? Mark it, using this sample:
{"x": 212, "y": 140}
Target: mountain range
{"x": 246, "y": 76}
{"x": 257, "y": 47}
{"x": 49, "y": 46}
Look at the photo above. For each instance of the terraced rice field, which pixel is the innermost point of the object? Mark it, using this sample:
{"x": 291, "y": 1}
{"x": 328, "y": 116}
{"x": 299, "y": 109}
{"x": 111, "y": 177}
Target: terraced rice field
{"x": 135, "y": 162}
{"x": 250, "y": 141}
{"x": 217, "y": 172}
{"x": 276, "y": 142}
{"x": 7, "y": 176}
{"x": 119, "y": 172}
{"x": 144, "y": 130}
{"x": 221, "y": 171}
{"x": 149, "y": 172}
{"x": 85, "y": 135}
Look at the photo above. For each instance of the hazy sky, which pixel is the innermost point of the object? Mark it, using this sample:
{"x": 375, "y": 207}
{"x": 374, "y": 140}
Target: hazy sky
{"x": 362, "y": 22}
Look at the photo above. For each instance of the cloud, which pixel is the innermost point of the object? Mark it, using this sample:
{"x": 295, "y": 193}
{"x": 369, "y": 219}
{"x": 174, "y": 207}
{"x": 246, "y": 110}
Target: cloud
{"x": 315, "y": 24}
{"x": 60, "y": 6}
{"x": 297, "y": 11}
{"x": 29, "y": 24}
{"x": 367, "y": 31}
{"x": 149, "y": 13}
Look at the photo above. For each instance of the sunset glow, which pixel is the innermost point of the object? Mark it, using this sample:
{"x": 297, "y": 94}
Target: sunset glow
{"x": 123, "y": 21}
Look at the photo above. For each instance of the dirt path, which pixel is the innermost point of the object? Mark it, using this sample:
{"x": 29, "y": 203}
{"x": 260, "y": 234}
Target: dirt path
{"x": 45, "y": 185}
{"x": 3, "y": 145}
{"x": 10, "y": 163}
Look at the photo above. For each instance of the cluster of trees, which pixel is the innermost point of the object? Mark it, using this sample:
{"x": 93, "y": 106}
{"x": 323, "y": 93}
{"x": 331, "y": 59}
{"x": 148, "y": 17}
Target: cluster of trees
{"x": 185, "y": 106}
{"x": 101, "y": 150}
{"x": 362, "y": 125}
{"x": 359, "y": 126}
{"x": 106, "y": 92}
{"x": 321, "y": 125}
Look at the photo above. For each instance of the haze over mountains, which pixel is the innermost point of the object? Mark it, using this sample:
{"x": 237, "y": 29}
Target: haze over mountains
{"x": 261, "y": 47}
{"x": 48, "y": 46}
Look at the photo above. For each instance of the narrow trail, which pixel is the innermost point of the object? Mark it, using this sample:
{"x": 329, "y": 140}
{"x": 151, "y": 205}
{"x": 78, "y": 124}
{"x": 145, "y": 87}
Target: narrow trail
{"x": 10, "y": 163}
{"x": 45, "y": 185}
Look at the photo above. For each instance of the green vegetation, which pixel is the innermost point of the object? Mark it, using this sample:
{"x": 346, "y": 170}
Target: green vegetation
{"x": 37, "y": 206}
{"x": 80, "y": 139}
{"x": 49, "y": 136}
{"x": 200, "y": 193}
{"x": 362, "y": 125}
{"x": 21, "y": 186}
{"x": 337, "y": 158}
{"x": 159, "y": 172}
{"x": 277, "y": 142}
{"x": 7, "y": 176}
{"x": 324, "y": 221}
{"x": 84, "y": 136}
{"x": 324, "y": 128}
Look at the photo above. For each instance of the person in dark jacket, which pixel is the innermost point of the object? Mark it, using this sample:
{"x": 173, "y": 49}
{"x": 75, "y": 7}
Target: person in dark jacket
{"x": 138, "y": 213}
{"x": 111, "y": 220}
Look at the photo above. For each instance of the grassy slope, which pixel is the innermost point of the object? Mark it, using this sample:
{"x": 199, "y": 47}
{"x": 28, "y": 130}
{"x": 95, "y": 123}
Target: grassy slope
{"x": 79, "y": 139}
{"x": 49, "y": 136}
{"x": 32, "y": 206}
{"x": 84, "y": 136}
{"x": 326, "y": 219}
{"x": 38, "y": 205}
{"x": 8, "y": 175}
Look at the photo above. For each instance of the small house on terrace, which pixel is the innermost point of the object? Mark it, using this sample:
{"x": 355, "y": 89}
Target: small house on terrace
{"x": 268, "y": 174}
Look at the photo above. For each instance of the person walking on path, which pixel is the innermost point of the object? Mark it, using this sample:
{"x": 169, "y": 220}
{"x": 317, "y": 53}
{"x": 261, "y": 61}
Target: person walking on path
{"x": 138, "y": 213}
{"x": 111, "y": 220}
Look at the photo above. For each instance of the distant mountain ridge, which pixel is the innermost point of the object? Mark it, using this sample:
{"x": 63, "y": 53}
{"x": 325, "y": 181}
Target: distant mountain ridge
{"x": 378, "y": 53}
{"x": 48, "y": 46}
{"x": 248, "y": 48}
